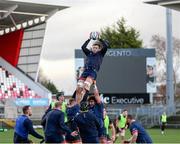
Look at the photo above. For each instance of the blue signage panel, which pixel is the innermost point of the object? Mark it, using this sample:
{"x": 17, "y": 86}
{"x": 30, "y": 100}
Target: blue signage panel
{"x": 32, "y": 102}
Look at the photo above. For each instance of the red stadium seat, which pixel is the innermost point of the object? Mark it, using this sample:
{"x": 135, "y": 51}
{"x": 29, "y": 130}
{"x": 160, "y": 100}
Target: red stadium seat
{"x": 12, "y": 87}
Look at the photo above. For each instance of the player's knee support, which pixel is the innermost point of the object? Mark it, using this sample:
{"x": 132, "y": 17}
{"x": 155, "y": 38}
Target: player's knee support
{"x": 88, "y": 82}
{"x": 87, "y": 85}
{"x": 80, "y": 84}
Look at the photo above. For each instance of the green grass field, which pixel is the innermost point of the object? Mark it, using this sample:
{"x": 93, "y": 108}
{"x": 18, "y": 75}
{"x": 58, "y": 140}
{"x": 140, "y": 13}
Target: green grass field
{"x": 170, "y": 136}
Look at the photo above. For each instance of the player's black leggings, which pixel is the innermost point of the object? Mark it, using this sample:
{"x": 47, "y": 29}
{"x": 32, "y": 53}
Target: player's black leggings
{"x": 163, "y": 126}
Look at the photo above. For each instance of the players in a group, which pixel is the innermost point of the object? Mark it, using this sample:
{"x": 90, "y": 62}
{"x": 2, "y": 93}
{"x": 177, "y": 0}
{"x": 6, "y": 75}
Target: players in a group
{"x": 62, "y": 122}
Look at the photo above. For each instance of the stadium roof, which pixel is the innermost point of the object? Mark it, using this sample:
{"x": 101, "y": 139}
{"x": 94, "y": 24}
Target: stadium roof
{"x": 17, "y": 14}
{"x": 172, "y": 4}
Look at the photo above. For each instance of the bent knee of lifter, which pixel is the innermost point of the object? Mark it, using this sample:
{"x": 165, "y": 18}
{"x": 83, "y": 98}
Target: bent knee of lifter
{"x": 79, "y": 90}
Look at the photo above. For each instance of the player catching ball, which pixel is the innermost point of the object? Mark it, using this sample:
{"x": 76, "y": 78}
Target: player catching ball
{"x": 94, "y": 58}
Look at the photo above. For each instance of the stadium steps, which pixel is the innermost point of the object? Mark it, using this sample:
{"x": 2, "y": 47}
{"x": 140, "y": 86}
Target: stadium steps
{"x": 14, "y": 83}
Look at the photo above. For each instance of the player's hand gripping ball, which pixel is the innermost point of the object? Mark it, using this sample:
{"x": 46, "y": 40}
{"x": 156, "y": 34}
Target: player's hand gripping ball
{"x": 94, "y": 35}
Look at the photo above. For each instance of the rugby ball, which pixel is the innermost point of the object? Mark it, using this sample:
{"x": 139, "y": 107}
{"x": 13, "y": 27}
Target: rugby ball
{"x": 94, "y": 35}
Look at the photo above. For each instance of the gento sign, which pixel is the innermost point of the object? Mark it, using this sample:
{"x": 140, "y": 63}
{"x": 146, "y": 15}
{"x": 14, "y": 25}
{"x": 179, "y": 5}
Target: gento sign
{"x": 118, "y": 53}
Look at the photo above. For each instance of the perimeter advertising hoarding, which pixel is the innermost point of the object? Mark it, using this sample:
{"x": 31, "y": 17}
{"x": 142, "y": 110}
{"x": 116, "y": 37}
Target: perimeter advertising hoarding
{"x": 32, "y": 102}
{"x": 124, "y": 71}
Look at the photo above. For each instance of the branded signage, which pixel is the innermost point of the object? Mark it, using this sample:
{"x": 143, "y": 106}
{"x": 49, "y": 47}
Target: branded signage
{"x": 113, "y": 53}
{"x": 123, "y": 71}
{"x": 32, "y": 102}
{"x": 126, "y": 98}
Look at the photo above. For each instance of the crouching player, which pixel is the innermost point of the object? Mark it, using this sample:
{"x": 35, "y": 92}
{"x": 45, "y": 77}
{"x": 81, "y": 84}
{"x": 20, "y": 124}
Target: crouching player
{"x": 139, "y": 134}
{"x": 94, "y": 58}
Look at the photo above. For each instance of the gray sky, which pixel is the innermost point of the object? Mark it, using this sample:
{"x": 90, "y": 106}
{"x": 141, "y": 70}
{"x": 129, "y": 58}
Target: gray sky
{"x": 68, "y": 29}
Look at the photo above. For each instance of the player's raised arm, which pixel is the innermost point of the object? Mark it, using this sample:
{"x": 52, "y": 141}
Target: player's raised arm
{"x": 96, "y": 94}
{"x": 105, "y": 46}
{"x": 84, "y": 47}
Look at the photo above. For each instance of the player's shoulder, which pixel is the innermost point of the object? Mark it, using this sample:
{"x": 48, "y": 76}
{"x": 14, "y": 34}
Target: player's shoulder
{"x": 100, "y": 104}
{"x": 134, "y": 125}
{"x": 90, "y": 115}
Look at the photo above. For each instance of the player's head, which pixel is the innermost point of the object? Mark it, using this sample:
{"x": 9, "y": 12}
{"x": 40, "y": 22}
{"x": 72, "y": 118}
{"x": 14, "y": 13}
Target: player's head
{"x": 129, "y": 119}
{"x": 96, "y": 47}
{"x": 91, "y": 101}
{"x": 72, "y": 101}
{"x": 27, "y": 110}
{"x": 60, "y": 96}
{"x": 125, "y": 112}
{"x": 58, "y": 105}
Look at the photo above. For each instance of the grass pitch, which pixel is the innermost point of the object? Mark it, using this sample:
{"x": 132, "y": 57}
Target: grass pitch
{"x": 170, "y": 136}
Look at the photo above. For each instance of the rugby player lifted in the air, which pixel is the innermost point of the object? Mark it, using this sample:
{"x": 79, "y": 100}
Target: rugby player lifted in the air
{"x": 94, "y": 58}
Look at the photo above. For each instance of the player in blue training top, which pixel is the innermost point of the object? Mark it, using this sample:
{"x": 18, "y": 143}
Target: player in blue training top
{"x": 87, "y": 124}
{"x": 94, "y": 58}
{"x": 97, "y": 108}
{"x": 24, "y": 127}
{"x": 55, "y": 126}
{"x": 72, "y": 110}
{"x": 139, "y": 134}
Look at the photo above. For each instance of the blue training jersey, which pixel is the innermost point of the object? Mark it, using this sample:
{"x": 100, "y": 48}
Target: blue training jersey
{"x": 97, "y": 110}
{"x": 88, "y": 125}
{"x": 143, "y": 136}
{"x": 20, "y": 129}
{"x": 94, "y": 60}
{"x": 72, "y": 112}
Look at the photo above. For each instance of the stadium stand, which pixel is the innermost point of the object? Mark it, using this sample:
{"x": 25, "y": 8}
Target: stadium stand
{"x": 22, "y": 31}
{"x": 12, "y": 87}
{"x": 15, "y": 84}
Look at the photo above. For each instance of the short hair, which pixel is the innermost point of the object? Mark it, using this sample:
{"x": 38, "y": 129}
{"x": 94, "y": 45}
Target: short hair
{"x": 97, "y": 45}
{"x": 97, "y": 42}
{"x": 124, "y": 110}
{"x": 92, "y": 98}
{"x": 130, "y": 117}
{"x": 71, "y": 100}
{"x": 25, "y": 108}
{"x": 59, "y": 94}
{"x": 58, "y": 104}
